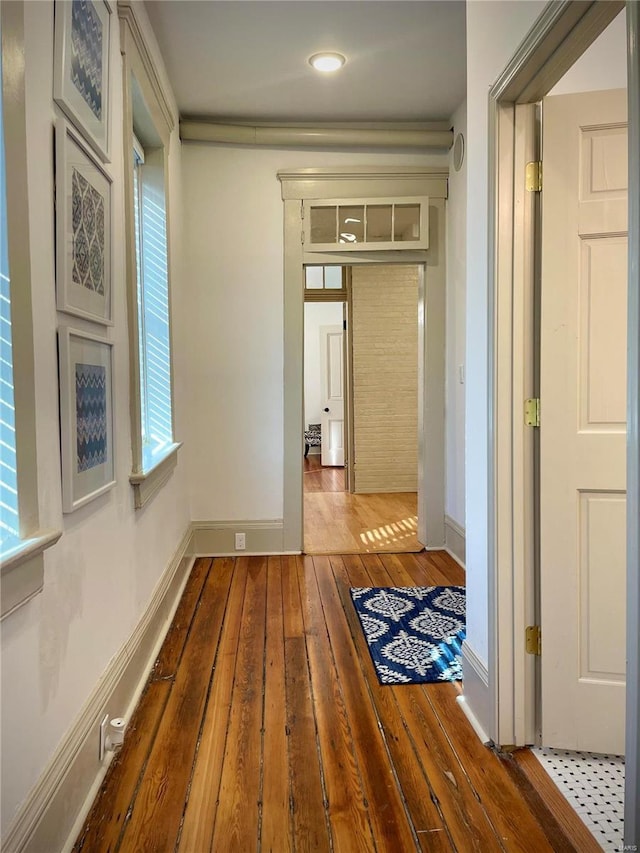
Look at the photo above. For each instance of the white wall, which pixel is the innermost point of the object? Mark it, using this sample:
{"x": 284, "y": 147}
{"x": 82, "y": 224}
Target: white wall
{"x": 494, "y": 32}
{"x": 99, "y": 578}
{"x": 233, "y": 241}
{"x": 316, "y": 314}
{"x": 602, "y": 66}
{"x": 455, "y": 342}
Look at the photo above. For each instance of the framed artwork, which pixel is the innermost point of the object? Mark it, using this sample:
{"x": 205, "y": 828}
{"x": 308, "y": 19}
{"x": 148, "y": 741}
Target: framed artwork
{"x": 86, "y": 416}
{"x": 81, "y": 68}
{"x": 83, "y": 229}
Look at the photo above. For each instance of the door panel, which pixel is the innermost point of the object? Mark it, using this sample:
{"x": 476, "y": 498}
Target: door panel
{"x": 332, "y": 380}
{"x": 582, "y": 433}
{"x": 603, "y": 333}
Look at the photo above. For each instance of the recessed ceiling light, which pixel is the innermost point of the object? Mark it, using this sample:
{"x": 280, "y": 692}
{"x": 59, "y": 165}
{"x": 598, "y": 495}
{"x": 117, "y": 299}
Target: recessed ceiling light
{"x": 327, "y": 61}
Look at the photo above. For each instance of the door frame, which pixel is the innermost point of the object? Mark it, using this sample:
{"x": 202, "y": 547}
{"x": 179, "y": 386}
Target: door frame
{"x": 559, "y": 37}
{"x": 353, "y": 183}
{"x": 340, "y": 299}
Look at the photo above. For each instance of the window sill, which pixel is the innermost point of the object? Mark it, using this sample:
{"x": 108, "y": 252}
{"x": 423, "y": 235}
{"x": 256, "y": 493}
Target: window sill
{"x": 22, "y": 573}
{"x": 147, "y": 483}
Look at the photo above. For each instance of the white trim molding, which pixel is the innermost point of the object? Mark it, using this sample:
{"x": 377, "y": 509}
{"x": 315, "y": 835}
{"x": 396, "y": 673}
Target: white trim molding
{"x": 148, "y": 483}
{"x": 217, "y": 538}
{"x": 476, "y": 699}
{"x": 22, "y": 572}
{"x": 455, "y": 540}
{"x": 52, "y": 814}
{"x": 632, "y": 736}
{"x": 132, "y": 34}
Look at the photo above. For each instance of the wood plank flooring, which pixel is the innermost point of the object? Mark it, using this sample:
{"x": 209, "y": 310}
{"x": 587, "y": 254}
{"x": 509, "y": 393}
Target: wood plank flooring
{"x": 263, "y": 727}
{"x": 337, "y": 522}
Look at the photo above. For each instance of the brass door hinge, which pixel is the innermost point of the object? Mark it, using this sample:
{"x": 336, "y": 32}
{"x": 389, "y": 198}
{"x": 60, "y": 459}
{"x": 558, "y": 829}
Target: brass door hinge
{"x": 533, "y": 640}
{"x": 533, "y": 176}
{"x": 532, "y": 412}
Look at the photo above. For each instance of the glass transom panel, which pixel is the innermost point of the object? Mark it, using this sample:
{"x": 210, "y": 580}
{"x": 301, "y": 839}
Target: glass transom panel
{"x": 367, "y": 224}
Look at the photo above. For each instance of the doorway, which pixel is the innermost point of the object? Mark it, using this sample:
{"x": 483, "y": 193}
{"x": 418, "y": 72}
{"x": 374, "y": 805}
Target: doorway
{"x": 368, "y": 381}
{"x": 512, "y": 263}
{"x": 428, "y": 186}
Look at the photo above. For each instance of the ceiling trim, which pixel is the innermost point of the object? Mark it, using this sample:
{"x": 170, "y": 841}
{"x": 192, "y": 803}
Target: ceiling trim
{"x": 318, "y": 136}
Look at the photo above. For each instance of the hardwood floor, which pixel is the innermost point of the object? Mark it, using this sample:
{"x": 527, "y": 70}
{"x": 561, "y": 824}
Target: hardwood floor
{"x": 319, "y": 479}
{"x": 263, "y": 727}
{"x": 337, "y": 522}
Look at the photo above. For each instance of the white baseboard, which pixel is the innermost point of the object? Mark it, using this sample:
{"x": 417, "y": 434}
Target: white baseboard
{"x": 455, "y": 542}
{"x": 475, "y": 700}
{"x": 53, "y": 813}
{"x": 217, "y": 538}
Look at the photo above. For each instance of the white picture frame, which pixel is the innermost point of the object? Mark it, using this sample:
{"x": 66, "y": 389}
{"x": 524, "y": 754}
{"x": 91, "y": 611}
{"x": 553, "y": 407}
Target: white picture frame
{"x": 83, "y": 229}
{"x": 81, "y": 68}
{"x": 86, "y": 416}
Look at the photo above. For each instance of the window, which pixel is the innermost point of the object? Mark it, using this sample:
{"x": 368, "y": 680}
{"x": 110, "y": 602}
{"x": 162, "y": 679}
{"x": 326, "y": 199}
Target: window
{"x": 366, "y": 224}
{"x": 325, "y": 283}
{"x": 9, "y": 521}
{"x": 146, "y": 147}
{"x": 154, "y": 350}
{"x": 22, "y": 541}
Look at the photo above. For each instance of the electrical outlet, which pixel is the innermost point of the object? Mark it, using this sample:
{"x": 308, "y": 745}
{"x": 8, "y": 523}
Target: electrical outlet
{"x": 241, "y": 543}
{"x": 104, "y": 723}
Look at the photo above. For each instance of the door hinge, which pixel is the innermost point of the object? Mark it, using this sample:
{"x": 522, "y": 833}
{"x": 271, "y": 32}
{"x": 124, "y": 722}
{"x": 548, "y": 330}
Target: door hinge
{"x": 533, "y": 176}
{"x": 344, "y": 325}
{"x": 533, "y": 640}
{"x": 532, "y": 412}
{"x": 302, "y": 237}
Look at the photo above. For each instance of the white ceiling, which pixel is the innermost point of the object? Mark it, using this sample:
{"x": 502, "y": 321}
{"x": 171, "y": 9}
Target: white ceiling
{"x": 247, "y": 59}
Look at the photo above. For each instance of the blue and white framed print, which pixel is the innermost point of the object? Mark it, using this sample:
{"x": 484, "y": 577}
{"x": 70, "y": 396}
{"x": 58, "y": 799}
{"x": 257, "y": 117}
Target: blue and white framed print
{"x": 83, "y": 229}
{"x": 81, "y": 68}
{"x": 86, "y": 417}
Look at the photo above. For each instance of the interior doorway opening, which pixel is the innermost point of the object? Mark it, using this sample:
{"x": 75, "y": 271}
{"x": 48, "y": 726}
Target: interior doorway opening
{"x": 361, "y": 395}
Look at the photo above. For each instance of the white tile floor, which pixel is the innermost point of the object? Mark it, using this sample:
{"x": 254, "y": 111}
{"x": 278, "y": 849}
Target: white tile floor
{"x": 594, "y": 786}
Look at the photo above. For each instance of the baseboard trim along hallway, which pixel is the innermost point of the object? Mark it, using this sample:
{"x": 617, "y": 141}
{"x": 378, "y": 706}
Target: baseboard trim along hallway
{"x": 48, "y": 820}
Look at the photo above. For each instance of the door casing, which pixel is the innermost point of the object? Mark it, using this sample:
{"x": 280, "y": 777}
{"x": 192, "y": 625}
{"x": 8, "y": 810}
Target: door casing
{"x": 558, "y": 38}
{"x": 389, "y": 182}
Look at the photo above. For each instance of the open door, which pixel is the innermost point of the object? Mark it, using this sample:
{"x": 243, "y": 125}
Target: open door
{"x": 583, "y": 421}
{"x": 332, "y": 382}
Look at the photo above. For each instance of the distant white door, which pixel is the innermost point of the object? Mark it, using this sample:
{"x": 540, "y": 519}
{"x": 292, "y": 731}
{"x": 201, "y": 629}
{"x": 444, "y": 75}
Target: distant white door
{"x": 583, "y": 421}
{"x": 332, "y": 382}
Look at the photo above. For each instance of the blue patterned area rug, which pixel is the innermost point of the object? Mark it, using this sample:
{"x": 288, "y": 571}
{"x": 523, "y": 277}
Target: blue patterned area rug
{"x": 414, "y": 633}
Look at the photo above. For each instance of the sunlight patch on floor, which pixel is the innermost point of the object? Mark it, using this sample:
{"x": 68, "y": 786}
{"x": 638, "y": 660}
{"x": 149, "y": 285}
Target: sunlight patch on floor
{"x": 393, "y": 532}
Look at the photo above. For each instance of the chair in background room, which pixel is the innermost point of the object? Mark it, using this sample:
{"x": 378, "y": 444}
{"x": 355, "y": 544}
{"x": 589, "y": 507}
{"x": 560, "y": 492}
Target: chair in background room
{"x": 312, "y": 438}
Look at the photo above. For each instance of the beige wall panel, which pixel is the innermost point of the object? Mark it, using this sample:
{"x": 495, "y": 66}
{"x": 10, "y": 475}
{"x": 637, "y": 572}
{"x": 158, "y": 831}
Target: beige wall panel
{"x": 385, "y": 378}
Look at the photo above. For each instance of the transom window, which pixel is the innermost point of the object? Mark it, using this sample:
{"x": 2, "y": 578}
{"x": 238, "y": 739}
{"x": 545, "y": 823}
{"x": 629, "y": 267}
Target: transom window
{"x": 325, "y": 283}
{"x": 366, "y": 224}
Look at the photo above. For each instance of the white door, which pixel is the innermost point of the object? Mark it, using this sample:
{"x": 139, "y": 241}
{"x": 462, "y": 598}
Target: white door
{"x": 583, "y": 414}
{"x": 332, "y": 381}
